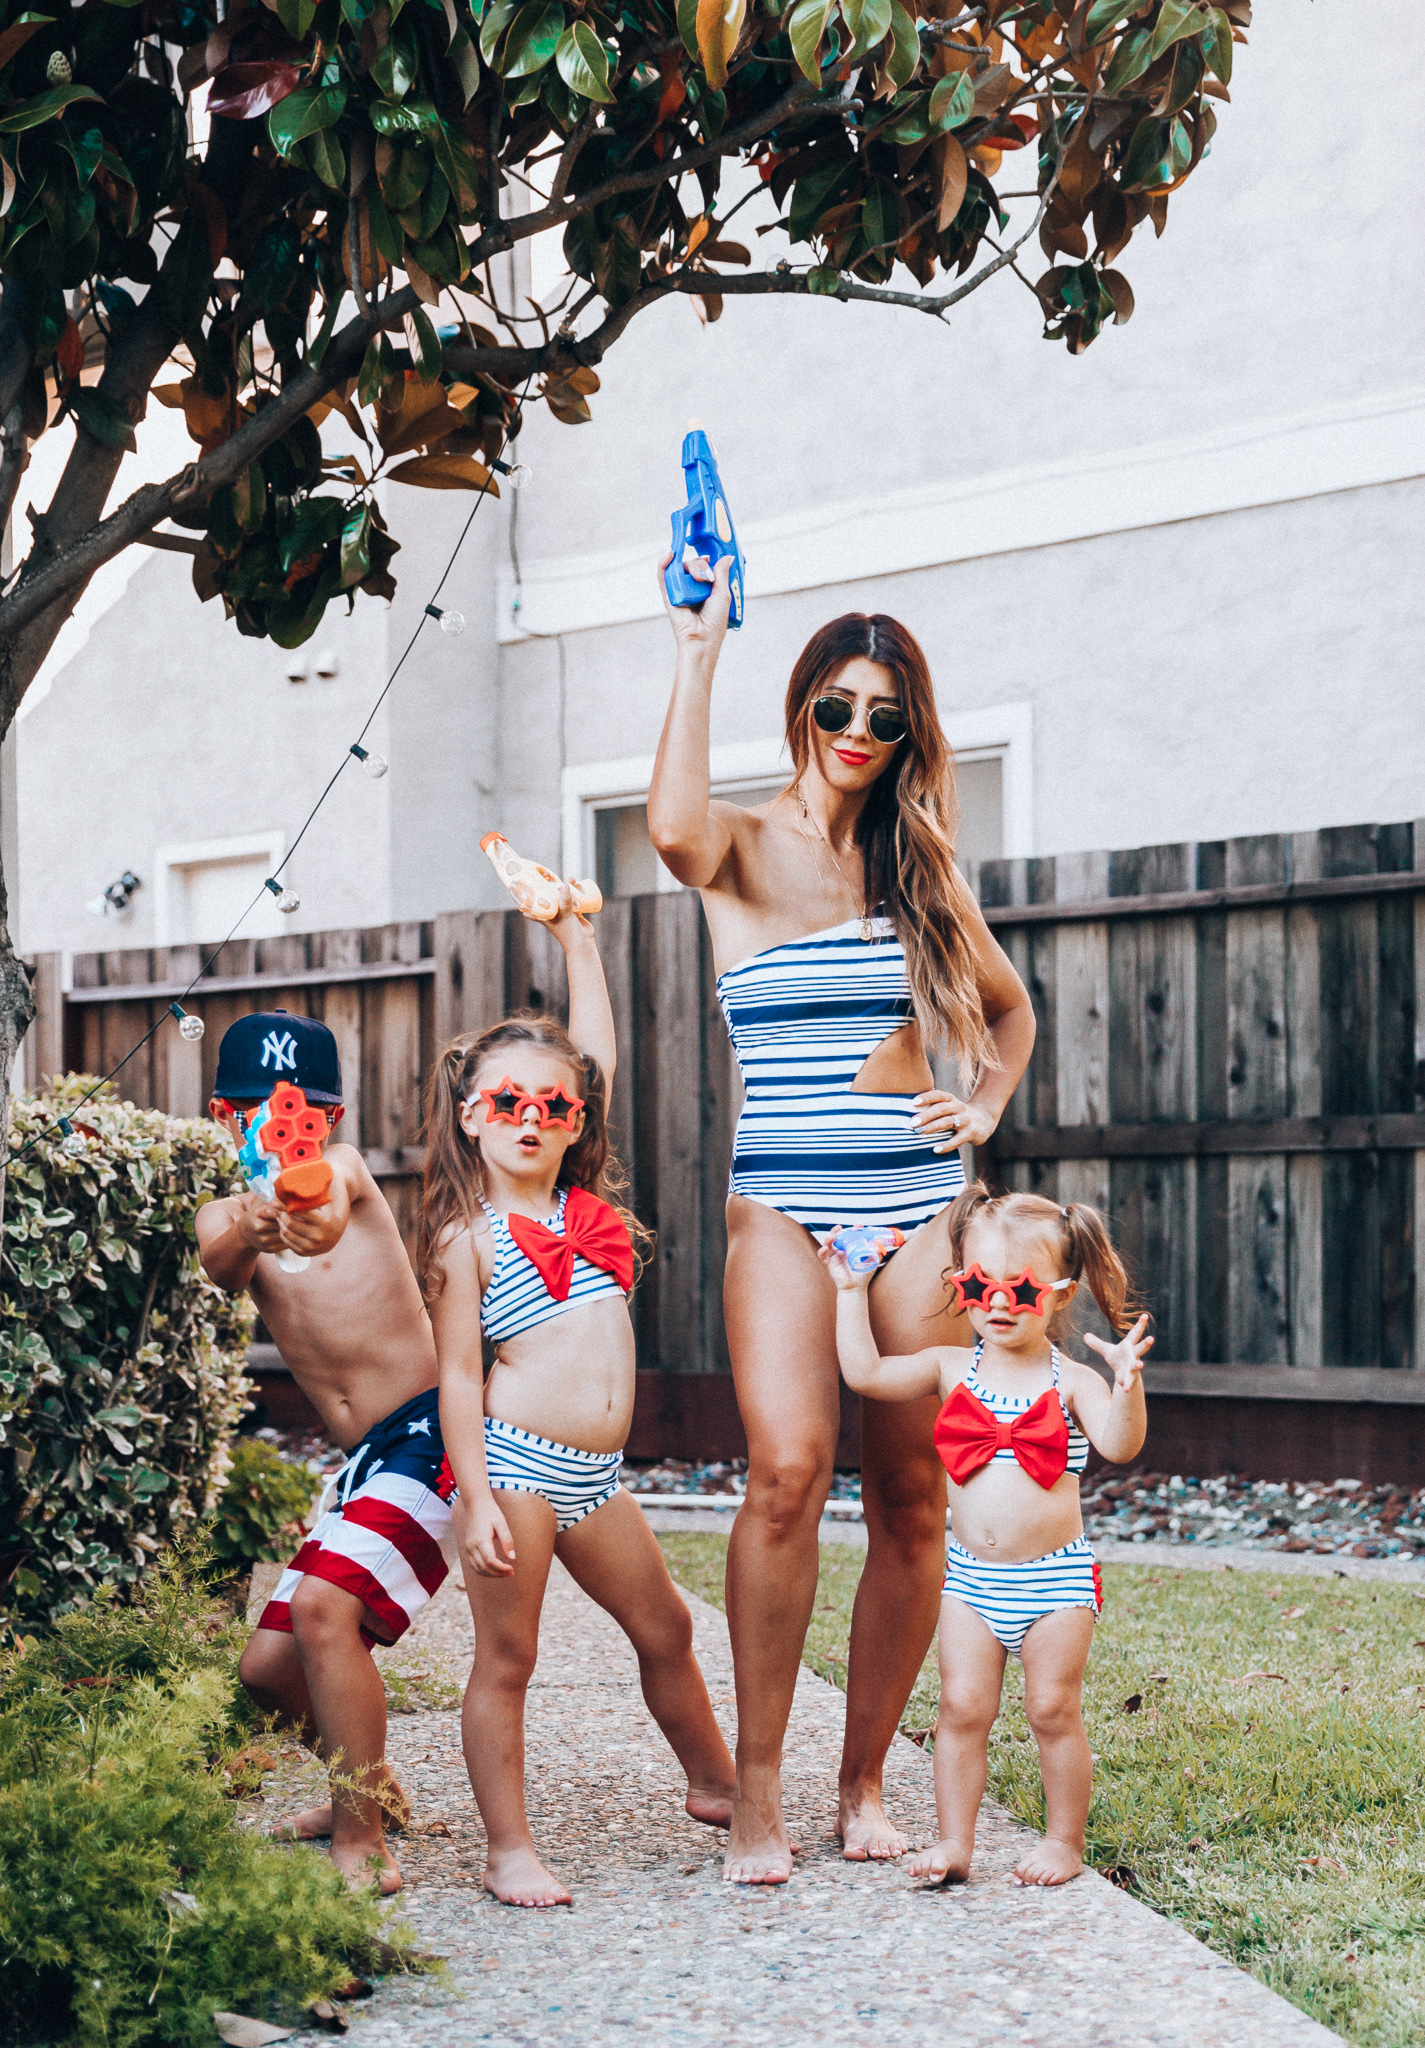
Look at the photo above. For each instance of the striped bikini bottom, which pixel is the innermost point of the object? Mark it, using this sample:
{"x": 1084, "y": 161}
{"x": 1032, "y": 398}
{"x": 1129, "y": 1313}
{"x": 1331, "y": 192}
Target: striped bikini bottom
{"x": 1010, "y": 1598}
{"x": 840, "y": 1156}
{"x": 573, "y": 1482}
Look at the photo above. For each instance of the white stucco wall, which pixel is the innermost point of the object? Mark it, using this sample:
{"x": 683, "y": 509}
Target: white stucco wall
{"x": 1191, "y": 555}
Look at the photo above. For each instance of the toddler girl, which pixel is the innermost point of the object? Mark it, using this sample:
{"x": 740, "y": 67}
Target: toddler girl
{"x": 518, "y": 1241}
{"x": 1014, "y": 1434}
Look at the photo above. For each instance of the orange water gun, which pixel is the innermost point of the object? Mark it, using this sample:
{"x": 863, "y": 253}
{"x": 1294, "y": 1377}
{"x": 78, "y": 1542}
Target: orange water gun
{"x": 534, "y": 888}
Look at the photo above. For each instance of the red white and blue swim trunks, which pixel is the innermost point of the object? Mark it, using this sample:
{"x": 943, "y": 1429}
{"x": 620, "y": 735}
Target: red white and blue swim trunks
{"x": 388, "y": 1536}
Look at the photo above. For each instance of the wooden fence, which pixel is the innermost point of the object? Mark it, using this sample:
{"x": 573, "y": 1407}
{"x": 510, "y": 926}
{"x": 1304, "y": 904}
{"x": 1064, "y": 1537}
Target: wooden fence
{"x": 1230, "y": 1061}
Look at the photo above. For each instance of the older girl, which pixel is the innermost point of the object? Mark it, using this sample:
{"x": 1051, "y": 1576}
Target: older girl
{"x": 1014, "y": 1430}
{"x": 846, "y": 943}
{"x": 520, "y": 1242}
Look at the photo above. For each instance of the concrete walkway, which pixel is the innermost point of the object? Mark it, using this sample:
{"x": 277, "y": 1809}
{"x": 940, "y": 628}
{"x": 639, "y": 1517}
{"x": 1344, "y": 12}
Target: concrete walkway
{"x": 658, "y": 1948}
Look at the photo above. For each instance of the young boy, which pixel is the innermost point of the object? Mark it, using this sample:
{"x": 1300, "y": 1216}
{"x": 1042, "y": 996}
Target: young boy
{"x": 353, "y": 1329}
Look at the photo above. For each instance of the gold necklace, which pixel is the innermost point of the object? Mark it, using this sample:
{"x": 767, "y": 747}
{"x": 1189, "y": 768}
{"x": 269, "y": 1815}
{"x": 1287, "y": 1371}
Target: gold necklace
{"x": 807, "y": 818}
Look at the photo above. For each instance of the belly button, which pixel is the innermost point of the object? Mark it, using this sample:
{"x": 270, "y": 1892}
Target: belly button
{"x": 989, "y": 1543}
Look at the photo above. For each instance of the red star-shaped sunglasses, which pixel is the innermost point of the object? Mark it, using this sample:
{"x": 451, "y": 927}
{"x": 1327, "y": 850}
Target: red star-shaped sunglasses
{"x": 507, "y": 1104}
{"x": 975, "y": 1288}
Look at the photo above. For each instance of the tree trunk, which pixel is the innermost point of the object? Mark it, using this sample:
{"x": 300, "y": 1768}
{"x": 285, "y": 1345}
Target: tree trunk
{"x": 17, "y": 1007}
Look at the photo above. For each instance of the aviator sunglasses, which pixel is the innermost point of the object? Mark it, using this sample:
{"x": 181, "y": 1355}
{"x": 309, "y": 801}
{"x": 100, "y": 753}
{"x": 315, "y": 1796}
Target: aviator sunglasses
{"x": 885, "y": 721}
{"x": 1027, "y": 1292}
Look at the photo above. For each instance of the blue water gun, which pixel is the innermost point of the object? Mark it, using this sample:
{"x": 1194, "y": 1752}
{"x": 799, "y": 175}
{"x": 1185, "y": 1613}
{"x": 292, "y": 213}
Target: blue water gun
{"x": 705, "y": 525}
{"x": 865, "y": 1245}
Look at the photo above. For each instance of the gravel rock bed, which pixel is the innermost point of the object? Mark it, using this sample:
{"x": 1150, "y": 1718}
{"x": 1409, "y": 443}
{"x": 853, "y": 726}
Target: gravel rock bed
{"x": 1338, "y": 1517}
{"x": 657, "y": 1946}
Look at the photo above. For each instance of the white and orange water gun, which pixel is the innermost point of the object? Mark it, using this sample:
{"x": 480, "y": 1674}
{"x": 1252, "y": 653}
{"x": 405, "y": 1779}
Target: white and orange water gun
{"x": 534, "y": 888}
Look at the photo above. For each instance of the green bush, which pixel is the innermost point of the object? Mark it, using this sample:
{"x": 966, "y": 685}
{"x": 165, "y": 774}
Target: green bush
{"x": 121, "y": 1366}
{"x": 132, "y": 1905}
{"x": 258, "y": 1518}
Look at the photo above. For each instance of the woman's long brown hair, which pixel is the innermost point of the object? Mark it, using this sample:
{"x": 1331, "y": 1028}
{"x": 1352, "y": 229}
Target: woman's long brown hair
{"x": 906, "y": 831}
{"x": 455, "y": 1172}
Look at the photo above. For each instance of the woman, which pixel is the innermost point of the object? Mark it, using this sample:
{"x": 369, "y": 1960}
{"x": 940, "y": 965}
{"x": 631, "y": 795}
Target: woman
{"x": 845, "y": 942}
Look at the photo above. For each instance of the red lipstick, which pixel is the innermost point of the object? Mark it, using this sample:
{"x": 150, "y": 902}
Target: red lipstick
{"x": 852, "y": 760}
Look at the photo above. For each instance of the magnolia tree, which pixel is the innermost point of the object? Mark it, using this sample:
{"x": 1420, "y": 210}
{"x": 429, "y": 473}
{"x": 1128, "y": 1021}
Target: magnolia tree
{"x": 330, "y": 249}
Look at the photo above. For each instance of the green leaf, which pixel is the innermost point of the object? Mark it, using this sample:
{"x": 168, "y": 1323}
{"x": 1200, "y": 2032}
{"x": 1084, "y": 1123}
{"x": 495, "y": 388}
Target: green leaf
{"x": 356, "y": 546}
{"x": 324, "y": 153}
{"x": 465, "y": 64}
{"x": 1146, "y": 153}
{"x": 904, "y": 54}
{"x": 1217, "y": 45}
{"x": 881, "y": 217}
{"x": 1177, "y": 19}
{"x": 868, "y": 21}
{"x": 501, "y": 14}
{"x": 102, "y": 419}
{"x": 412, "y": 117}
{"x": 952, "y": 102}
{"x": 806, "y": 25}
{"x": 1130, "y": 61}
{"x": 813, "y": 193}
{"x": 911, "y": 124}
{"x": 533, "y": 38}
{"x": 688, "y": 27}
{"x": 297, "y": 16}
{"x": 378, "y": 369}
{"x": 398, "y": 63}
{"x": 45, "y": 106}
{"x": 1103, "y": 15}
{"x": 423, "y": 344}
{"x": 583, "y": 63}
{"x": 304, "y": 112}
{"x": 823, "y": 280}
{"x": 384, "y": 232}
{"x": 86, "y": 147}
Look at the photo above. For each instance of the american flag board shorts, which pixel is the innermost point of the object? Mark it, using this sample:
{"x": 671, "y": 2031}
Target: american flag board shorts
{"x": 388, "y": 1538}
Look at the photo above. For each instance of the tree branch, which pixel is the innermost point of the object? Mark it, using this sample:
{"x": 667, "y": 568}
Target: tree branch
{"x": 74, "y": 564}
{"x": 14, "y": 460}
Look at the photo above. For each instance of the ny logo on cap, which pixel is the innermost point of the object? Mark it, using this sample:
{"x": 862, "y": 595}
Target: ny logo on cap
{"x": 282, "y": 1051}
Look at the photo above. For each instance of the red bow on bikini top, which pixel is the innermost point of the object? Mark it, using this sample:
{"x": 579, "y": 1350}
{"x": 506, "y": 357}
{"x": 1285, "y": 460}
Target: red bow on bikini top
{"x": 967, "y": 1436}
{"x": 591, "y": 1228}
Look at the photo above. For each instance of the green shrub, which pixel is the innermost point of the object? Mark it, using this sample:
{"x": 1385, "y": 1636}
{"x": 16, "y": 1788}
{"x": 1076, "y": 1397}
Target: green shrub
{"x": 121, "y": 1366}
{"x": 258, "y": 1518}
{"x": 132, "y": 1905}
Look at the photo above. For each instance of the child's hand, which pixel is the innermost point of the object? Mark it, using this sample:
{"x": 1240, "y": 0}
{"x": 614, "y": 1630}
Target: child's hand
{"x": 310, "y": 1231}
{"x": 842, "y": 1277}
{"x": 259, "y": 1222}
{"x": 569, "y": 921}
{"x": 1126, "y": 1356}
{"x": 486, "y": 1544}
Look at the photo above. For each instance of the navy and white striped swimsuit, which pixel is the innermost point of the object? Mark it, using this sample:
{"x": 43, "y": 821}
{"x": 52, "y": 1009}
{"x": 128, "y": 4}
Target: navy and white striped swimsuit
{"x": 517, "y": 1298}
{"x": 803, "y": 1019}
{"x": 1010, "y": 1598}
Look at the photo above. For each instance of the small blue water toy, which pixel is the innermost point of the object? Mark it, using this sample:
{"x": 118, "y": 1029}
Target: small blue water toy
{"x": 704, "y": 524}
{"x": 865, "y": 1245}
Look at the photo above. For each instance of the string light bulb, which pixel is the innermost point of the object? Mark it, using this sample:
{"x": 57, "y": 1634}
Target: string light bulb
{"x": 374, "y": 764}
{"x": 287, "y": 899}
{"x": 189, "y": 1027}
{"x": 72, "y": 1141}
{"x": 450, "y": 622}
{"x": 519, "y": 473}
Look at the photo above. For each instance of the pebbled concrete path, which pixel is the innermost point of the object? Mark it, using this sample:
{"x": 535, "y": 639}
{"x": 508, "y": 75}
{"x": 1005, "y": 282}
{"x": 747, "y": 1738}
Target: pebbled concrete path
{"x": 657, "y": 1947}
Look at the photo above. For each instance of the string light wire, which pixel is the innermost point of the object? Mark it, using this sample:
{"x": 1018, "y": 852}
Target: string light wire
{"x": 429, "y": 610}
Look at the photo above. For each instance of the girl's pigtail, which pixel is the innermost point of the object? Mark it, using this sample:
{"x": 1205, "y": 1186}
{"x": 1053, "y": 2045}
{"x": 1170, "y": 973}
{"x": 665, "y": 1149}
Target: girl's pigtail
{"x": 454, "y": 1175}
{"x": 963, "y": 1211}
{"x": 1091, "y": 1253}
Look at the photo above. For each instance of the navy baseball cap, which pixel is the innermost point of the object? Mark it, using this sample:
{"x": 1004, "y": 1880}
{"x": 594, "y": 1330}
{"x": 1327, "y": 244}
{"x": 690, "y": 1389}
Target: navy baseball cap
{"x": 271, "y": 1046}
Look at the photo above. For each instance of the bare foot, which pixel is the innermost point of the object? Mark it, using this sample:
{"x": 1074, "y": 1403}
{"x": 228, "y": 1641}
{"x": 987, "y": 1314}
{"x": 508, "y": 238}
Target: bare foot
{"x": 1049, "y": 1862}
{"x": 943, "y": 1862}
{"x": 307, "y": 1826}
{"x": 361, "y": 1864}
{"x": 518, "y": 1878}
{"x": 865, "y": 1832}
{"x": 758, "y": 1850}
{"x": 713, "y": 1809}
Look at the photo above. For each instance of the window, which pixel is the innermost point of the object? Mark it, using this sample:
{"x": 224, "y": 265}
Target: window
{"x": 606, "y": 802}
{"x": 203, "y": 889}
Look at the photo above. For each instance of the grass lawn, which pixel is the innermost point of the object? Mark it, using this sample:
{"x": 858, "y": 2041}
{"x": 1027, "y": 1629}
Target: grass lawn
{"x": 1260, "y": 1773}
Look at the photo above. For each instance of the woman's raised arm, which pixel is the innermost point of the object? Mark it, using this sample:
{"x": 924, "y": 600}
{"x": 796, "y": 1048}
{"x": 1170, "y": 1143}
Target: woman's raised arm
{"x": 690, "y": 840}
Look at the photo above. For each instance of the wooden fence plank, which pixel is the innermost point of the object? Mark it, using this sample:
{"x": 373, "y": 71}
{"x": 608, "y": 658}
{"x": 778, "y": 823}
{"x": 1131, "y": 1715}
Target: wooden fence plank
{"x": 44, "y": 1041}
{"x": 456, "y": 939}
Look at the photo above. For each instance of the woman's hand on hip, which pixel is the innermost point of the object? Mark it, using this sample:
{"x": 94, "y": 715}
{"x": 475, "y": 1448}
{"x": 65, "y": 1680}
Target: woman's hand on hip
{"x": 938, "y": 1114}
{"x": 701, "y": 632}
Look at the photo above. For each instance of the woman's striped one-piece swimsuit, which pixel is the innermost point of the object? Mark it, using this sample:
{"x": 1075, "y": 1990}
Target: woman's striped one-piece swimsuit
{"x": 803, "y": 1019}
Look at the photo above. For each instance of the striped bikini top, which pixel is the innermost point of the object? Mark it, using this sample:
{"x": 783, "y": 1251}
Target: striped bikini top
{"x": 804, "y": 1018}
{"x": 1005, "y": 1407}
{"x": 517, "y": 1297}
